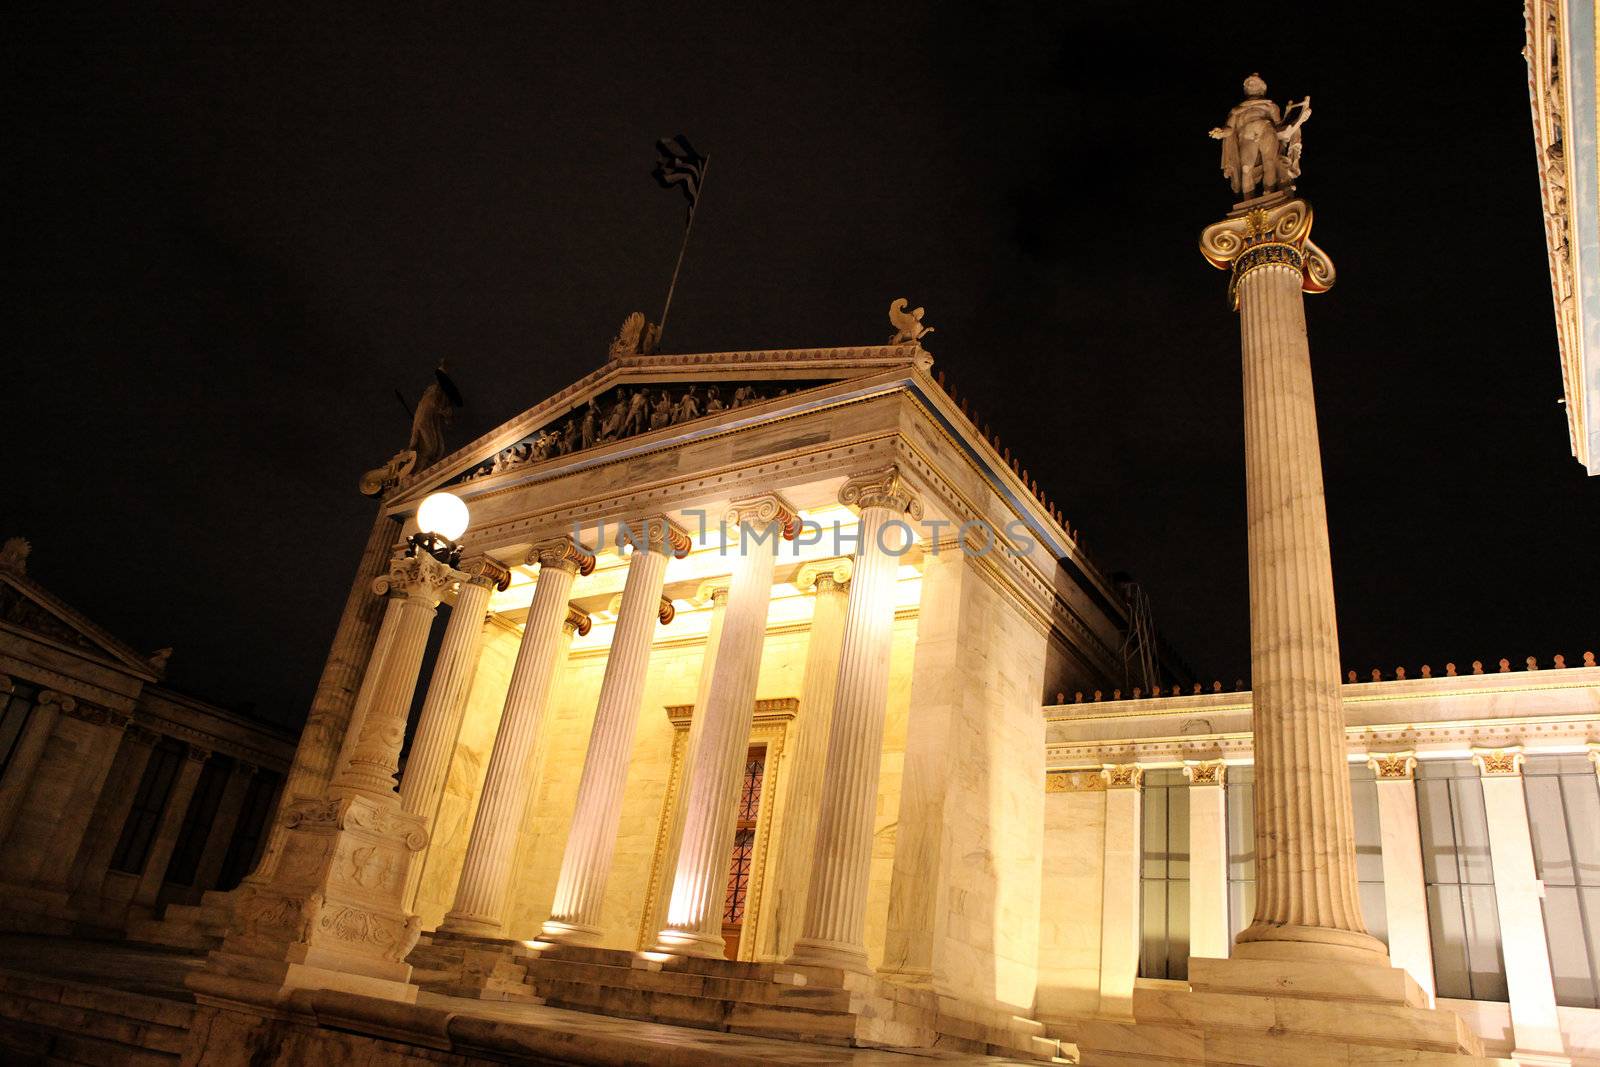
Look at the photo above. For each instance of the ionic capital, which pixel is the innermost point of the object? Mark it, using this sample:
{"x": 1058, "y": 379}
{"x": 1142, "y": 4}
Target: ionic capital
{"x": 825, "y": 575}
{"x": 577, "y": 621}
{"x": 419, "y": 576}
{"x": 1499, "y": 762}
{"x": 667, "y": 611}
{"x": 1393, "y": 766}
{"x": 882, "y": 488}
{"x": 67, "y": 704}
{"x": 1122, "y": 775}
{"x": 487, "y": 572}
{"x": 1277, "y": 236}
{"x": 712, "y": 591}
{"x": 1205, "y": 772}
{"x": 198, "y": 754}
{"x": 763, "y": 512}
{"x": 562, "y": 553}
{"x": 1594, "y": 755}
{"x": 655, "y": 533}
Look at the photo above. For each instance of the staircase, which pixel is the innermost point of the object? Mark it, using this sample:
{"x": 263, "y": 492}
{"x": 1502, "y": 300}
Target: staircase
{"x": 760, "y": 999}
{"x": 46, "y": 1020}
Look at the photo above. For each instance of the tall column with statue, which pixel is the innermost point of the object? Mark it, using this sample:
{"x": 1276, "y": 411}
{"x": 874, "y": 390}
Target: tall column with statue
{"x": 1307, "y": 905}
{"x": 1306, "y": 981}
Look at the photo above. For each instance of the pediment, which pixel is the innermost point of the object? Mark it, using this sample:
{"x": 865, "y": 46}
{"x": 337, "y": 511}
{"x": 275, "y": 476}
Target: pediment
{"x": 640, "y": 395}
{"x": 27, "y": 606}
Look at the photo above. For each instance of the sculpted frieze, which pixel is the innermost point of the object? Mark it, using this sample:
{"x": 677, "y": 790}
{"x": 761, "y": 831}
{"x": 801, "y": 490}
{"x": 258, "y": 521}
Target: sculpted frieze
{"x": 626, "y": 411}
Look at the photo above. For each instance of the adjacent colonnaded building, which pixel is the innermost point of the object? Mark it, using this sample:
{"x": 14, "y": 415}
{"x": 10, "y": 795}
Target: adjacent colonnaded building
{"x": 774, "y": 700}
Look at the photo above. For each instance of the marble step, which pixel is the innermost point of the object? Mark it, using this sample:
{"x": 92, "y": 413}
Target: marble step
{"x": 1116, "y": 1044}
{"x": 689, "y": 983}
{"x": 65, "y": 1022}
{"x": 1323, "y": 980}
{"x": 1354, "y": 1022}
{"x": 706, "y": 1013}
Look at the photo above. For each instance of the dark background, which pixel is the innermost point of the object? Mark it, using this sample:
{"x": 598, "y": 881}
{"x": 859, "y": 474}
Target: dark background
{"x": 233, "y": 233}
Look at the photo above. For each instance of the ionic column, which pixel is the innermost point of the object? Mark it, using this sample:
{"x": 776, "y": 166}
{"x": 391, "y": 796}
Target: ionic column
{"x": 28, "y": 751}
{"x": 700, "y": 877}
{"x": 480, "y": 901}
{"x": 1119, "y": 897}
{"x": 166, "y": 839}
{"x": 446, "y": 702}
{"x": 1405, "y": 895}
{"x": 714, "y": 590}
{"x": 1519, "y": 901}
{"x": 833, "y": 934}
{"x": 797, "y": 834}
{"x": 1307, "y": 905}
{"x": 322, "y": 737}
{"x": 1208, "y": 858}
{"x": 586, "y": 863}
{"x": 418, "y": 583}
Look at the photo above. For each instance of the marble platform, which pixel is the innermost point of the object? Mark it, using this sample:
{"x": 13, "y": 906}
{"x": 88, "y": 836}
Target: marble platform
{"x": 1264, "y": 1013}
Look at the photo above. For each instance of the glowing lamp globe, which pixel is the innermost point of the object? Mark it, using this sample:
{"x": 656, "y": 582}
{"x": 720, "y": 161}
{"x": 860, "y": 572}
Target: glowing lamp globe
{"x": 444, "y": 515}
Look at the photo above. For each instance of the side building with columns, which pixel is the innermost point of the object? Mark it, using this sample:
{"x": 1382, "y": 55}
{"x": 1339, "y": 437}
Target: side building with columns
{"x": 119, "y": 798}
{"x": 1476, "y": 803}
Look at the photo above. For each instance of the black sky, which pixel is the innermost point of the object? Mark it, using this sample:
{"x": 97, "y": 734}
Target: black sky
{"x": 235, "y": 230}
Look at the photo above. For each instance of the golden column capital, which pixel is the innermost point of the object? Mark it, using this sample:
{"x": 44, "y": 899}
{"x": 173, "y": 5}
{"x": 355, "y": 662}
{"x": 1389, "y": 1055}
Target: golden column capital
{"x": 655, "y": 533}
{"x": 1122, "y": 775}
{"x": 486, "y": 571}
{"x": 1279, "y": 236}
{"x": 578, "y": 621}
{"x": 1499, "y": 762}
{"x": 563, "y": 553}
{"x": 766, "y": 510}
{"x": 1393, "y": 766}
{"x": 1205, "y": 772}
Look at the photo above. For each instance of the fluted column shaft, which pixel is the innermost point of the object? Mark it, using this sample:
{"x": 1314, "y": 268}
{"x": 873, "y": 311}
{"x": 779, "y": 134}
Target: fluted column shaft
{"x": 414, "y": 585}
{"x": 586, "y": 863}
{"x": 316, "y": 756}
{"x": 718, "y": 593}
{"x": 442, "y": 709}
{"x": 700, "y": 878}
{"x": 479, "y": 906}
{"x": 1307, "y": 905}
{"x": 834, "y": 931}
{"x": 808, "y": 754}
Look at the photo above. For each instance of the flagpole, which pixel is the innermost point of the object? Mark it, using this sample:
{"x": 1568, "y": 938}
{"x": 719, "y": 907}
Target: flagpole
{"x": 661, "y": 327}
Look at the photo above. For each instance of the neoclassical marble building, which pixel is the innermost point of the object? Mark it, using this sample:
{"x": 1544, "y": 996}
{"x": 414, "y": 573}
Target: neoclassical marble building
{"x": 119, "y": 797}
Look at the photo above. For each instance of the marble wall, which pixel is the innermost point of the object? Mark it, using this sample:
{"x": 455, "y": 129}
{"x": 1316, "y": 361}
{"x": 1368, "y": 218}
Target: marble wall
{"x": 1069, "y": 906}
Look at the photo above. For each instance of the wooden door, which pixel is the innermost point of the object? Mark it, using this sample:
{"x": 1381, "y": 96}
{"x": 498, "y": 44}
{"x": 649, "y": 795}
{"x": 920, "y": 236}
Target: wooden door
{"x": 744, "y": 848}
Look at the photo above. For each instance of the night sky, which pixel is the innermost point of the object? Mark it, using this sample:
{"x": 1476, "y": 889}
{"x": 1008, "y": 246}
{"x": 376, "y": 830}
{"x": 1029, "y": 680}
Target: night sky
{"x": 233, "y": 232}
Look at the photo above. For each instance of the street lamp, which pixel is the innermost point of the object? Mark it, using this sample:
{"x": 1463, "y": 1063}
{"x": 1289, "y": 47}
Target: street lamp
{"x": 441, "y": 519}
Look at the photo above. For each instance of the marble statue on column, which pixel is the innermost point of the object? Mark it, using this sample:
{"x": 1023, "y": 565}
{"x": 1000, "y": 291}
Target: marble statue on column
{"x": 1260, "y": 146}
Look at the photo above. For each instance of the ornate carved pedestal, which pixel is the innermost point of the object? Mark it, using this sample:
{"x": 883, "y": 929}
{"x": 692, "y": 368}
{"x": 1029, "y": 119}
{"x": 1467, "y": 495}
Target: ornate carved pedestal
{"x": 333, "y": 916}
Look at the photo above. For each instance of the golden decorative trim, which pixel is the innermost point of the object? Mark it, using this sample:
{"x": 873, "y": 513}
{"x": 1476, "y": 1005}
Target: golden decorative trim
{"x": 1074, "y": 782}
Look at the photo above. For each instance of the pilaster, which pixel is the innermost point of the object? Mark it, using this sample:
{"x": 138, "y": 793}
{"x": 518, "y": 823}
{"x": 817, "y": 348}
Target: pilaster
{"x": 28, "y": 751}
{"x": 1405, "y": 897}
{"x": 1208, "y": 858}
{"x": 1120, "y": 897}
{"x": 1519, "y": 896}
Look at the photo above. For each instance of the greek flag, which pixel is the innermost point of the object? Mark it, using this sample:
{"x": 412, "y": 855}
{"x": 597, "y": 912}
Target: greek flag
{"x": 681, "y": 166}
